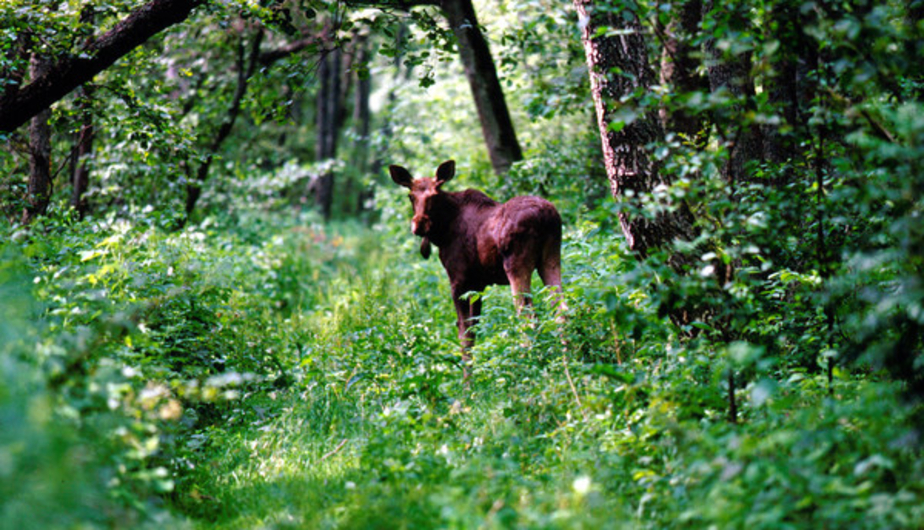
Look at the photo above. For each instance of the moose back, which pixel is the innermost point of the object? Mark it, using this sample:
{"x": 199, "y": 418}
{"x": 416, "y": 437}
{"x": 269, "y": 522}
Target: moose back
{"x": 482, "y": 242}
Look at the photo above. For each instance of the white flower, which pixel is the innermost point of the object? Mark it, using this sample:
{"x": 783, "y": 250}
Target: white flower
{"x": 581, "y": 485}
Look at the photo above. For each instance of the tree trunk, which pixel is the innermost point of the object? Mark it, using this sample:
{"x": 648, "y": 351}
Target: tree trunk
{"x": 328, "y": 118}
{"x": 679, "y": 65}
{"x": 783, "y": 94}
{"x": 362, "y": 122}
{"x": 40, "y": 186}
{"x": 83, "y": 154}
{"x": 83, "y": 150}
{"x": 632, "y": 174}
{"x": 914, "y": 14}
{"x": 733, "y": 73}
{"x": 17, "y": 106}
{"x": 496, "y": 125}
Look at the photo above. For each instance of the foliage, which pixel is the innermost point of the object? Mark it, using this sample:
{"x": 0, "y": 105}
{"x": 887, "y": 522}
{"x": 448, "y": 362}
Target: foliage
{"x": 256, "y": 367}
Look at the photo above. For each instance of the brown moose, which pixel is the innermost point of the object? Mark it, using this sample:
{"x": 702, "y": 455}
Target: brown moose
{"x": 482, "y": 242}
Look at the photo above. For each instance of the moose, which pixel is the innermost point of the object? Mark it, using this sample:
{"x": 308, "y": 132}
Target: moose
{"x": 482, "y": 242}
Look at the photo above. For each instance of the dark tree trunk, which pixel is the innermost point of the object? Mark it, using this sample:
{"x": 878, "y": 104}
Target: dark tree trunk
{"x": 68, "y": 73}
{"x": 679, "y": 63}
{"x": 914, "y": 44}
{"x": 40, "y": 185}
{"x": 733, "y": 74}
{"x": 496, "y": 125}
{"x": 362, "y": 115}
{"x": 328, "y": 118}
{"x": 83, "y": 154}
{"x": 83, "y": 150}
{"x": 787, "y": 95}
{"x": 362, "y": 120}
{"x": 632, "y": 174}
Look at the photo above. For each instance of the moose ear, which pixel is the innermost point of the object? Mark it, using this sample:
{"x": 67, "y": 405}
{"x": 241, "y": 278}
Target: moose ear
{"x": 445, "y": 172}
{"x": 401, "y": 176}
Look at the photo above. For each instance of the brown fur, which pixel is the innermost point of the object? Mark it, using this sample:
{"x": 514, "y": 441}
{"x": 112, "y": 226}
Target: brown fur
{"x": 482, "y": 242}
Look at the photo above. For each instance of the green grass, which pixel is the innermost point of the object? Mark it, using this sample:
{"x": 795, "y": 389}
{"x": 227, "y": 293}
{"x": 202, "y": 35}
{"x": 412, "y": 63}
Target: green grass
{"x": 310, "y": 378}
{"x": 379, "y": 432}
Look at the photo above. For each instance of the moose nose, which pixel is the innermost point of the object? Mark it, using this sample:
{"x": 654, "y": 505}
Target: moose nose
{"x": 420, "y": 226}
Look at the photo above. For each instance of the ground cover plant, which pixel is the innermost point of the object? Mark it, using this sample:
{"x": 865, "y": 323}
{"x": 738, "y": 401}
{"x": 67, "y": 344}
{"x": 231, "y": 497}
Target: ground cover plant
{"x": 213, "y": 313}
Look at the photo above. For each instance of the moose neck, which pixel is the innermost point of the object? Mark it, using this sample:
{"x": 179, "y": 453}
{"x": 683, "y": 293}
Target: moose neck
{"x": 443, "y": 218}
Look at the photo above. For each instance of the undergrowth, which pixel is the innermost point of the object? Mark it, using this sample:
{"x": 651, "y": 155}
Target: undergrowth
{"x": 298, "y": 376}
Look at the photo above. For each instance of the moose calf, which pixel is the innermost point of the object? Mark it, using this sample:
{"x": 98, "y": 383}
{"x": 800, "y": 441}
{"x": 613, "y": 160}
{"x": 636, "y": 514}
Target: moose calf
{"x": 482, "y": 242}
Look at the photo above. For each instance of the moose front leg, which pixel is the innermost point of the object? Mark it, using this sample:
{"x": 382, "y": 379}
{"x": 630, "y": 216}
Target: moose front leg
{"x": 466, "y": 312}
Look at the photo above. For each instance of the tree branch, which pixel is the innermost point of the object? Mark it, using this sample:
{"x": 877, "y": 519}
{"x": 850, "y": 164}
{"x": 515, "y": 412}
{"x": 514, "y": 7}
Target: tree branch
{"x": 246, "y": 66}
{"x": 269, "y": 57}
{"x": 68, "y": 73}
{"x": 400, "y": 5}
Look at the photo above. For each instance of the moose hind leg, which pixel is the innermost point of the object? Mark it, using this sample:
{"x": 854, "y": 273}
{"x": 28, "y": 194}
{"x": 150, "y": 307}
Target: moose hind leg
{"x": 520, "y": 276}
{"x": 549, "y": 268}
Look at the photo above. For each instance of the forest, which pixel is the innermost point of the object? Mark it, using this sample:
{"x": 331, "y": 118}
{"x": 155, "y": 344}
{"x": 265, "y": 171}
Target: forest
{"x": 214, "y": 313}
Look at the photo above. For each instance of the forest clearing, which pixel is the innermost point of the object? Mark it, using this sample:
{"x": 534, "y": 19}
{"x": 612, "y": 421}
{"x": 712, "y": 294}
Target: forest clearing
{"x": 219, "y": 308}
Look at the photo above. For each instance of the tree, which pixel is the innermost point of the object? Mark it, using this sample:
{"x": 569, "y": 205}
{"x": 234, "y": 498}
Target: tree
{"x": 679, "y": 65}
{"x": 328, "y": 119}
{"x": 729, "y": 70}
{"x": 83, "y": 153}
{"x": 496, "y": 125}
{"x": 40, "y": 184}
{"x": 617, "y": 61}
{"x": 247, "y": 61}
{"x": 17, "y": 105}
{"x": 83, "y": 150}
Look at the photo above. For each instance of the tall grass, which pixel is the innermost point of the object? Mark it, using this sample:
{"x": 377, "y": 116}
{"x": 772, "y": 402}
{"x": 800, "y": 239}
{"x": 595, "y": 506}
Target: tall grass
{"x": 283, "y": 374}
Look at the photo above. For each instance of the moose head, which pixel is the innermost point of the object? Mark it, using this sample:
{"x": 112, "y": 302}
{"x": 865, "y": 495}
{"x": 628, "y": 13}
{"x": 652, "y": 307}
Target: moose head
{"x": 426, "y": 199}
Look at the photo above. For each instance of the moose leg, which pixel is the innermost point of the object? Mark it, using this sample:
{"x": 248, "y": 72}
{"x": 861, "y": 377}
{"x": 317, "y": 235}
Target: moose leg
{"x": 550, "y": 271}
{"x": 466, "y": 313}
{"x": 466, "y": 336}
{"x": 520, "y": 278}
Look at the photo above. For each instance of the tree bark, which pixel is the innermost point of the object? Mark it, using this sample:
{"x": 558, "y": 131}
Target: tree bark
{"x": 327, "y": 120}
{"x": 783, "y": 93}
{"x": 40, "y": 185}
{"x": 83, "y": 150}
{"x": 362, "y": 122}
{"x": 496, "y": 124}
{"x": 632, "y": 173}
{"x": 679, "y": 64}
{"x": 493, "y": 114}
{"x": 68, "y": 73}
{"x": 83, "y": 154}
{"x": 914, "y": 14}
{"x": 733, "y": 73}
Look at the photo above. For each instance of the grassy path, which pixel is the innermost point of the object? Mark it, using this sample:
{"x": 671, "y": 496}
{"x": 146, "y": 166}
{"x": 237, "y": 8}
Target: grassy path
{"x": 377, "y": 431}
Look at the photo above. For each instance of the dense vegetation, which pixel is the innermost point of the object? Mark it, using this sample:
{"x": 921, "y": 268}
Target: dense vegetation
{"x": 255, "y": 357}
